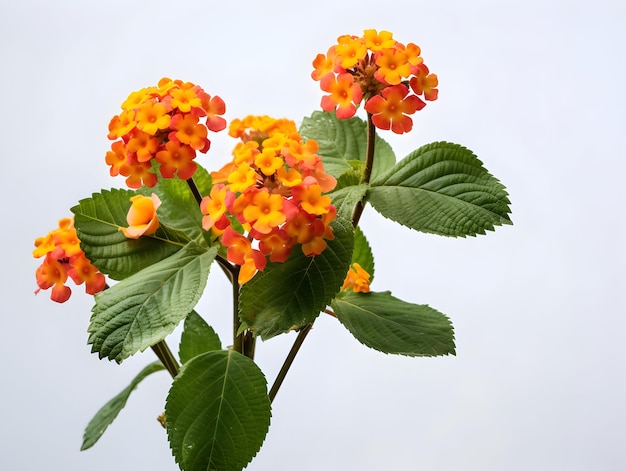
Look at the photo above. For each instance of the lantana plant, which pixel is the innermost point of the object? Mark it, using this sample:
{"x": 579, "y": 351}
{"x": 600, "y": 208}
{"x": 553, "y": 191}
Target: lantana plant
{"x": 280, "y": 220}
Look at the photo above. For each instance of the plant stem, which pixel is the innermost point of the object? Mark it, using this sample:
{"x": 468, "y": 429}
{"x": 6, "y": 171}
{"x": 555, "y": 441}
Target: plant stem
{"x": 194, "y": 189}
{"x": 369, "y": 165}
{"x": 164, "y": 354}
{"x": 289, "y": 360}
{"x": 237, "y": 339}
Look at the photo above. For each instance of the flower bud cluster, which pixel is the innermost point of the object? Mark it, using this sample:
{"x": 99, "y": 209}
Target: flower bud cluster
{"x": 164, "y": 127}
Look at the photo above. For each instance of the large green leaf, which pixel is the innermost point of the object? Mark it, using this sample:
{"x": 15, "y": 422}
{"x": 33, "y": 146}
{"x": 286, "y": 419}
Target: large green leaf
{"x": 217, "y": 412}
{"x": 289, "y": 295}
{"x": 197, "y": 337}
{"x": 441, "y": 188}
{"x": 363, "y": 253}
{"x": 342, "y": 140}
{"x": 98, "y": 219}
{"x": 144, "y": 308}
{"x": 390, "y": 325}
{"x": 107, "y": 414}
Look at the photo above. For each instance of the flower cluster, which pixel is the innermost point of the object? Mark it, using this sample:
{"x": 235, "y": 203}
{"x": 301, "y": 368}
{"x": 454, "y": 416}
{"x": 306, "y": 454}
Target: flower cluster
{"x": 64, "y": 258}
{"x": 164, "y": 125}
{"x": 387, "y": 75}
{"x": 357, "y": 279}
{"x": 273, "y": 190}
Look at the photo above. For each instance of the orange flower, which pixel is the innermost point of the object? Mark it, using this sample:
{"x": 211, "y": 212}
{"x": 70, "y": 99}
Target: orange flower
{"x": 345, "y": 94}
{"x": 357, "y": 279}
{"x": 264, "y": 212}
{"x": 390, "y": 109}
{"x": 64, "y": 258}
{"x": 369, "y": 68}
{"x": 142, "y": 218}
{"x": 177, "y": 159}
{"x": 273, "y": 187}
{"x": 167, "y": 123}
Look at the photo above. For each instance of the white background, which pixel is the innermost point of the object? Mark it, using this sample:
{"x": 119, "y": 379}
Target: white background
{"x": 535, "y": 88}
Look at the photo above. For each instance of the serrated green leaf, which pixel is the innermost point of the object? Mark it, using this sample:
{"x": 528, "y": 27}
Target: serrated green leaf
{"x": 144, "y": 308}
{"x": 390, "y": 325}
{"x": 197, "y": 337}
{"x": 290, "y": 295}
{"x": 346, "y": 199}
{"x": 107, "y": 414}
{"x": 217, "y": 412}
{"x": 341, "y": 140}
{"x": 97, "y": 221}
{"x": 441, "y": 188}
{"x": 363, "y": 253}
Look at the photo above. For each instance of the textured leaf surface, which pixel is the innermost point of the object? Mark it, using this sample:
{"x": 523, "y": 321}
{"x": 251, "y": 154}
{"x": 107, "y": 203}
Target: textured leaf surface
{"x": 346, "y": 199}
{"x": 107, "y": 414}
{"x": 390, "y": 325}
{"x": 197, "y": 337}
{"x": 290, "y": 295}
{"x": 441, "y": 188}
{"x": 144, "y": 308}
{"x": 97, "y": 220}
{"x": 341, "y": 140}
{"x": 217, "y": 412}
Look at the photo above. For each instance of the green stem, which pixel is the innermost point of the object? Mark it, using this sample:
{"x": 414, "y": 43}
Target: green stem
{"x": 164, "y": 354}
{"x": 237, "y": 338}
{"x": 369, "y": 165}
{"x": 289, "y": 360}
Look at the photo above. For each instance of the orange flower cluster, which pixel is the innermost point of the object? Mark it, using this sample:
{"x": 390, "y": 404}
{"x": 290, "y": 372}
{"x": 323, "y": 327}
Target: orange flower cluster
{"x": 387, "y": 75}
{"x": 357, "y": 279}
{"x": 274, "y": 189}
{"x": 164, "y": 125}
{"x": 64, "y": 258}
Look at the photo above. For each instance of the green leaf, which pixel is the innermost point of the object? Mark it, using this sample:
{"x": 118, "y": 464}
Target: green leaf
{"x": 441, "y": 188}
{"x": 346, "y": 199}
{"x": 363, "y": 253}
{"x": 197, "y": 337}
{"x": 97, "y": 220}
{"x": 390, "y": 325}
{"x": 144, "y": 308}
{"x": 217, "y": 412}
{"x": 341, "y": 140}
{"x": 290, "y": 295}
{"x": 179, "y": 209}
{"x": 107, "y": 414}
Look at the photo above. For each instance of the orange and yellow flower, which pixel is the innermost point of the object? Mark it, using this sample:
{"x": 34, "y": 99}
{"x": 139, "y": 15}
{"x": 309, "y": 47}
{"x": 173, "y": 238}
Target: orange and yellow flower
{"x": 63, "y": 258}
{"x": 368, "y": 68}
{"x": 274, "y": 188}
{"x": 357, "y": 279}
{"x": 164, "y": 125}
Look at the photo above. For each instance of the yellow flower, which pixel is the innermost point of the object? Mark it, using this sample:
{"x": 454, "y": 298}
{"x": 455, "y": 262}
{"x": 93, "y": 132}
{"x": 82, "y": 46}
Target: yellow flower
{"x": 357, "y": 279}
